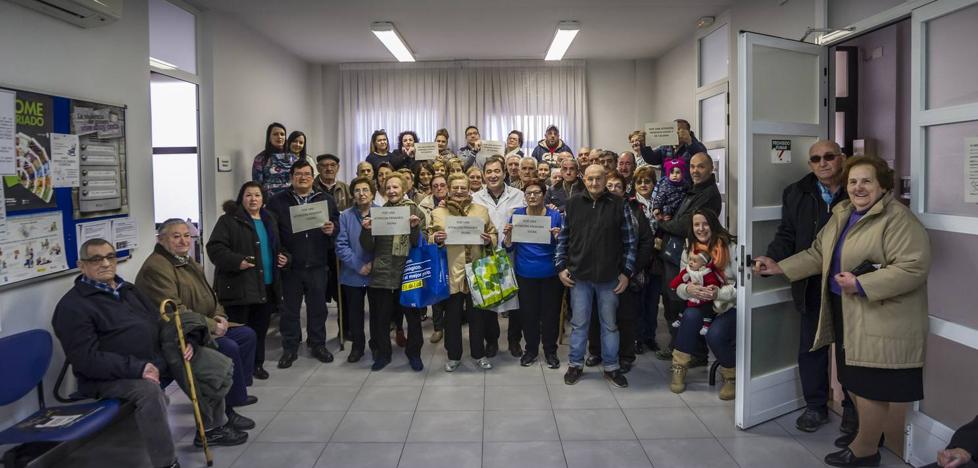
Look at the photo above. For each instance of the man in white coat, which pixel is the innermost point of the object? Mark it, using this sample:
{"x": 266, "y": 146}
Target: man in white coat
{"x": 500, "y": 199}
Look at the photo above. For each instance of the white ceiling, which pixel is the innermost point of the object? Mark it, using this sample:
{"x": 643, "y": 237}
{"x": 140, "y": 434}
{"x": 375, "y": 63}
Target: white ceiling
{"x": 334, "y": 31}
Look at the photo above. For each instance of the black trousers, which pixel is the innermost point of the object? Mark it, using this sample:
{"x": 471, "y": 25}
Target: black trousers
{"x": 353, "y": 312}
{"x": 438, "y": 315}
{"x": 257, "y": 317}
{"x": 332, "y": 284}
{"x": 490, "y": 323}
{"x": 626, "y": 319}
{"x": 539, "y": 312}
{"x": 382, "y": 303}
{"x": 308, "y": 284}
{"x": 514, "y": 334}
{"x": 478, "y": 321}
{"x": 813, "y": 366}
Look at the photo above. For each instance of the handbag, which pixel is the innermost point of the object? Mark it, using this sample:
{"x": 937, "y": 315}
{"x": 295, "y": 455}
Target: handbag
{"x": 492, "y": 280}
{"x": 425, "y": 278}
{"x": 672, "y": 249}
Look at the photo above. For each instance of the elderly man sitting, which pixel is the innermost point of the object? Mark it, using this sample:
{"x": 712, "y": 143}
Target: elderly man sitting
{"x": 110, "y": 334}
{"x": 170, "y": 273}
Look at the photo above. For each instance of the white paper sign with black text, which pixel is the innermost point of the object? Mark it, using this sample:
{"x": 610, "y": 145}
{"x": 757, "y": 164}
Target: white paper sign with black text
{"x": 531, "y": 229}
{"x": 390, "y": 220}
{"x": 463, "y": 230}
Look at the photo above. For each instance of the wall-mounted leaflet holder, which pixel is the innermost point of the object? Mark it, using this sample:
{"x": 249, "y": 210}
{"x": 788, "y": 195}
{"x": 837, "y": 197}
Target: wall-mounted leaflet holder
{"x": 100, "y": 188}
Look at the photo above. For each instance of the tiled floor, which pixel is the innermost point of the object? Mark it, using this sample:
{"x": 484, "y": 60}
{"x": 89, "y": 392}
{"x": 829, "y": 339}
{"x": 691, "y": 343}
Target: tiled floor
{"x": 343, "y": 415}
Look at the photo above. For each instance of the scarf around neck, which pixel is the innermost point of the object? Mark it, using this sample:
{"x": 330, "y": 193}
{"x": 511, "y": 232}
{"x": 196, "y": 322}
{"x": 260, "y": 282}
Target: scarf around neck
{"x": 461, "y": 209}
{"x": 402, "y": 242}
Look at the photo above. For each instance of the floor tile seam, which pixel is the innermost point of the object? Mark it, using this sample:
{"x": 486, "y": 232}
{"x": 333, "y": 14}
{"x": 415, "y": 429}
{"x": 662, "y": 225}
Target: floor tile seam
{"x": 629, "y": 422}
{"x": 553, "y": 414}
{"x": 717, "y": 439}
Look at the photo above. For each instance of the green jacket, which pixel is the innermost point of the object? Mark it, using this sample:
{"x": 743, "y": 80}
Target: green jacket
{"x": 387, "y": 270}
{"x": 163, "y": 276}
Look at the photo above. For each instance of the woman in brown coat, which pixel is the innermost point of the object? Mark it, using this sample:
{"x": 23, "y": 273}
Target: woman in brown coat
{"x": 874, "y": 256}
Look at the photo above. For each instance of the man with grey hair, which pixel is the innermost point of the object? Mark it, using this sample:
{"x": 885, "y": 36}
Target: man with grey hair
{"x": 171, "y": 273}
{"x": 110, "y": 334}
{"x": 528, "y": 171}
{"x": 569, "y": 185}
{"x": 626, "y": 167}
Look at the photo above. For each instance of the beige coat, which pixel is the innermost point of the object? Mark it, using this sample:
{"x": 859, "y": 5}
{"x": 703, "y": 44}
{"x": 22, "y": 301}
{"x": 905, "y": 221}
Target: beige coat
{"x": 456, "y": 253}
{"x": 888, "y": 327}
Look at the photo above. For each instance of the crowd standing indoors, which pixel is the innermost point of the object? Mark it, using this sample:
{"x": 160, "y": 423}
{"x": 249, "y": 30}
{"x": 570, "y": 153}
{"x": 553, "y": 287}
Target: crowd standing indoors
{"x": 626, "y": 229}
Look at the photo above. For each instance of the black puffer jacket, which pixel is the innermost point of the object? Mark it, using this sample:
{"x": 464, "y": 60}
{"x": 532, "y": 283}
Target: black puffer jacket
{"x": 803, "y": 214}
{"x": 233, "y": 239}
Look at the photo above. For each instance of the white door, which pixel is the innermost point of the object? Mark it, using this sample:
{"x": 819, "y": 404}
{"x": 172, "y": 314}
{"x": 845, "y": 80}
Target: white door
{"x": 782, "y": 110}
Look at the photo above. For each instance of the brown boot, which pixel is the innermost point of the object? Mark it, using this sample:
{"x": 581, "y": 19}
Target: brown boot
{"x": 729, "y": 389}
{"x": 680, "y": 364}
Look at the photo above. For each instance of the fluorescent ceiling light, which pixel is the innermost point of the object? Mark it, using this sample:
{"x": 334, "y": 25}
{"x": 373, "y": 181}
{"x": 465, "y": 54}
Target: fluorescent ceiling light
{"x": 392, "y": 40}
{"x": 835, "y": 35}
{"x": 566, "y": 31}
{"x": 157, "y": 63}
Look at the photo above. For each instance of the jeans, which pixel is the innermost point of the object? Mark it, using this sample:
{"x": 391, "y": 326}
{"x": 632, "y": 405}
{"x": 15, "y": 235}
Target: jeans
{"x": 150, "y": 414}
{"x": 582, "y": 294}
{"x": 721, "y": 337}
{"x": 625, "y": 319}
{"x": 648, "y": 309}
{"x": 239, "y": 345}
{"x": 308, "y": 283}
{"x": 539, "y": 312}
{"x": 257, "y": 318}
{"x": 382, "y": 303}
{"x": 353, "y": 305}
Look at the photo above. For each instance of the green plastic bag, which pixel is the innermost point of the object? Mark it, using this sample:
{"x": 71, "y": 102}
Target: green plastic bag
{"x": 491, "y": 280}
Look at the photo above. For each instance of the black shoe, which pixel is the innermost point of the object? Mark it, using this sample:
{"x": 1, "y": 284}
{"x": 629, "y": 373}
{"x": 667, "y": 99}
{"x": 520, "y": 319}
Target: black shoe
{"x": 850, "y": 420}
{"x": 698, "y": 361}
{"x": 846, "y": 439}
{"x": 617, "y": 378}
{"x": 573, "y": 375}
{"x": 845, "y": 457}
{"x": 812, "y": 419}
{"x": 287, "y": 359}
{"x": 515, "y": 349}
{"x": 416, "y": 363}
{"x": 239, "y": 422}
{"x": 250, "y": 400}
{"x": 552, "y": 361}
{"x": 176, "y": 464}
{"x": 380, "y": 364}
{"x": 651, "y": 345}
{"x": 640, "y": 348}
{"x": 323, "y": 354}
{"x": 528, "y": 359}
{"x": 260, "y": 373}
{"x": 224, "y": 436}
{"x": 592, "y": 360}
{"x": 492, "y": 349}
{"x": 355, "y": 356}
{"x": 624, "y": 366}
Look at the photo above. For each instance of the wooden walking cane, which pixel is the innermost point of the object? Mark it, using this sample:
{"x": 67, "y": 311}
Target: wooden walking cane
{"x": 339, "y": 303}
{"x": 563, "y": 315}
{"x": 190, "y": 375}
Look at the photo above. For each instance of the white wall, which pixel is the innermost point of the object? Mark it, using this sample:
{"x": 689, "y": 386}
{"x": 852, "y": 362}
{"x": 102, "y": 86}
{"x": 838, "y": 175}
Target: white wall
{"x": 108, "y": 64}
{"x": 611, "y": 104}
{"x": 675, "y": 84}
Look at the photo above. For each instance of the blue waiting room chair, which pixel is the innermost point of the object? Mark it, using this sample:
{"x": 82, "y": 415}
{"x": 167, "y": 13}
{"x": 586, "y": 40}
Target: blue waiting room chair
{"x": 24, "y": 359}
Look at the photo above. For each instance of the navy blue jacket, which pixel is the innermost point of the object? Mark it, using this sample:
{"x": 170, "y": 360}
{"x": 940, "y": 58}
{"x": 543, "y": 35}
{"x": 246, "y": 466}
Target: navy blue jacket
{"x": 307, "y": 249}
{"x": 105, "y": 338}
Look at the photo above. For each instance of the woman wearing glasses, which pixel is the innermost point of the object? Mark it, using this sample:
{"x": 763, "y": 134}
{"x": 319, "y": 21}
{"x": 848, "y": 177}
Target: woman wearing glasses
{"x": 540, "y": 290}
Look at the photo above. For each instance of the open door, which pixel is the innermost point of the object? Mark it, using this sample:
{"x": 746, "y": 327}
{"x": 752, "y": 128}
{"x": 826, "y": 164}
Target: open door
{"x": 783, "y": 109}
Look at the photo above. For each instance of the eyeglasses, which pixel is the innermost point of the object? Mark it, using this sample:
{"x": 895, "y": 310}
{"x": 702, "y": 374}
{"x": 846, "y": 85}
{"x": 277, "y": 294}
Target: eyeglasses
{"x": 817, "y": 158}
{"x": 98, "y": 259}
{"x": 643, "y": 182}
{"x": 302, "y": 175}
{"x": 534, "y": 193}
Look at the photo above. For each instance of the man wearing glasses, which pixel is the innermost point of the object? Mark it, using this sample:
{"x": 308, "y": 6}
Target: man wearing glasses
{"x": 806, "y": 207}
{"x": 110, "y": 334}
{"x": 305, "y": 278}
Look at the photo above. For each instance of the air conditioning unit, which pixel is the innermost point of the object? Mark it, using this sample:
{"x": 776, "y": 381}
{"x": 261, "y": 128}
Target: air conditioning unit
{"x": 82, "y": 13}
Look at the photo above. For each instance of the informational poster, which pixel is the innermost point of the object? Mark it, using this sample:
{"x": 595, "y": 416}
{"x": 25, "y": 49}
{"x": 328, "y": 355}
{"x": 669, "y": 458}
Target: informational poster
{"x": 492, "y": 148}
{"x": 93, "y": 230}
{"x": 102, "y": 189}
{"x": 425, "y": 151}
{"x": 34, "y": 246}
{"x": 463, "y": 230}
{"x": 531, "y": 229}
{"x": 661, "y": 134}
{"x": 309, "y": 216}
{"x": 64, "y": 160}
{"x": 8, "y": 132}
{"x": 971, "y": 170}
{"x": 390, "y": 220}
{"x": 124, "y": 233}
{"x": 31, "y": 186}
{"x": 780, "y": 151}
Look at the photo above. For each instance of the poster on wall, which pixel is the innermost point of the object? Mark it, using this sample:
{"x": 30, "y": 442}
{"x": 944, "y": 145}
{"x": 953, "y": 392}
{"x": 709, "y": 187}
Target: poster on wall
{"x": 102, "y": 189}
{"x": 31, "y": 185}
{"x": 64, "y": 160}
{"x": 34, "y": 246}
{"x": 971, "y": 170}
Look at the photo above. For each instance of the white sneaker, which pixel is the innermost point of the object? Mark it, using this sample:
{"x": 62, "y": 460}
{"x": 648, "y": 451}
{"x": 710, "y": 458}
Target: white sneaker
{"x": 484, "y": 363}
{"x": 450, "y": 366}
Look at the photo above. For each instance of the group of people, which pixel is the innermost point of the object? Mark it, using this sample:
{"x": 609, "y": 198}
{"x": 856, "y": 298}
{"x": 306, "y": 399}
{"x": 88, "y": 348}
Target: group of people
{"x": 622, "y": 238}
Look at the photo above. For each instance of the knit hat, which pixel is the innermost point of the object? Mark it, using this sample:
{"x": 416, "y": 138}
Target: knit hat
{"x": 673, "y": 163}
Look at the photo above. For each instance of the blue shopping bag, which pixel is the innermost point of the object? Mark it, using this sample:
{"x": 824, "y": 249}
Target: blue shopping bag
{"x": 425, "y": 278}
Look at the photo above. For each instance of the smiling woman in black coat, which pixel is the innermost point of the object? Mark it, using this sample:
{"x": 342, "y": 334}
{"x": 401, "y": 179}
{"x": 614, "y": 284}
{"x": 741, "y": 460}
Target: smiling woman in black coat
{"x": 247, "y": 256}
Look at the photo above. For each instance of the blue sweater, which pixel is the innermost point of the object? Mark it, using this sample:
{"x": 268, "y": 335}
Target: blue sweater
{"x": 348, "y": 250}
{"x": 535, "y": 260}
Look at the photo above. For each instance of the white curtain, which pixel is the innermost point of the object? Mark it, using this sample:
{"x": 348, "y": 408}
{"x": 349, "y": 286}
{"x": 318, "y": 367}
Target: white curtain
{"x": 495, "y": 96}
